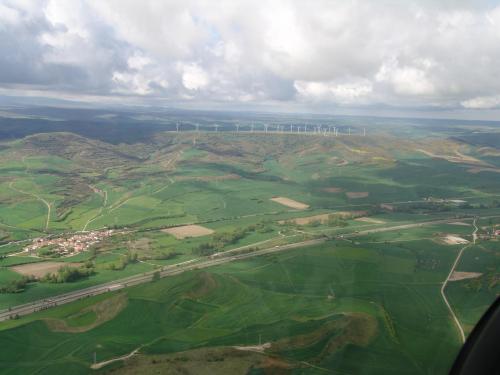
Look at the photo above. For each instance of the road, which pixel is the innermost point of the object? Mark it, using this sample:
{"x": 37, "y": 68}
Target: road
{"x": 172, "y": 270}
{"x": 443, "y": 287}
{"x": 62, "y": 299}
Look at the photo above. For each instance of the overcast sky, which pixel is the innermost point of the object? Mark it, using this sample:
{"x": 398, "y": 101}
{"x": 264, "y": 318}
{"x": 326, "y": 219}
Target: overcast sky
{"x": 331, "y": 56}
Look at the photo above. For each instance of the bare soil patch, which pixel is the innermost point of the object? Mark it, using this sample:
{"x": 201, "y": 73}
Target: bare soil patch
{"x": 290, "y": 203}
{"x": 215, "y": 360}
{"x": 323, "y": 218}
{"x": 42, "y": 268}
{"x": 357, "y": 194}
{"x": 370, "y": 220}
{"x": 456, "y": 275}
{"x": 186, "y": 231}
{"x": 333, "y": 189}
{"x": 451, "y": 239}
{"x": 307, "y": 220}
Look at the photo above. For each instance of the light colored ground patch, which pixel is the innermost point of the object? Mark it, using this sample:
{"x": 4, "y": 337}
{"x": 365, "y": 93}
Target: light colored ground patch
{"x": 215, "y": 360}
{"x": 290, "y": 203}
{"x": 478, "y": 170}
{"x": 369, "y": 220}
{"x": 333, "y": 189}
{"x": 316, "y": 176}
{"x": 357, "y": 194}
{"x": 457, "y": 157}
{"x": 186, "y": 231}
{"x": 254, "y": 348}
{"x": 40, "y": 269}
{"x": 104, "y": 311}
{"x": 226, "y": 177}
{"x": 456, "y": 275}
{"x": 460, "y": 223}
{"x": 451, "y": 239}
{"x": 323, "y": 218}
{"x": 307, "y": 220}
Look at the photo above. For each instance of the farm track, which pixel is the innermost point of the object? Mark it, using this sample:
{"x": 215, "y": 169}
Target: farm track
{"x": 99, "y": 214}
{"x": 445, "y": 283}
{"x": 47, "y": 221}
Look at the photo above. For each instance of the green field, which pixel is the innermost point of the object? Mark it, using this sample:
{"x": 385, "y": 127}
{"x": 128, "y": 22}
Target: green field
{"x": 270, "y": 298}
{"x": 360, "y": 302}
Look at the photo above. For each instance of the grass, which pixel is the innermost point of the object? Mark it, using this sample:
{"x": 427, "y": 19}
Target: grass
{"x": 225, "y": 182}
{"x": 276, "y": 297}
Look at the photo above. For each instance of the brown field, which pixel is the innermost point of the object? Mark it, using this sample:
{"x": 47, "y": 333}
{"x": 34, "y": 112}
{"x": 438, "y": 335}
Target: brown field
{"x": 370, "y": 220}
{"x": 454, "y": 240}
{"x": 307, "y": 220}
{"x": 456, "y": 275}
{"x": 216, "y": 360}
{"x": 333, "y": 189}
{"x": 323, "y": 218}
{"x": 357, "y": 194}
{"x": 186, "y": 231}
{"x": 42, "y": 268}
{"x": 290, "y": 203}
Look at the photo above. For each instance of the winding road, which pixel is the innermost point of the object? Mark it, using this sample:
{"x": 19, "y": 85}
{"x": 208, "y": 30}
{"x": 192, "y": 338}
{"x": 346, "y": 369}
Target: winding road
{"x": 443, "y": 287}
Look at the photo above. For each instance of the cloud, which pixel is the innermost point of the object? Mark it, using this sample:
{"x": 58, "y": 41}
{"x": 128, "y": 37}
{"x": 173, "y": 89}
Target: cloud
{"x": 345, "y": 93}
{"x": 482, "y": 102}
{"x": 194, "y": 77}
{"x": 418, "y": 54}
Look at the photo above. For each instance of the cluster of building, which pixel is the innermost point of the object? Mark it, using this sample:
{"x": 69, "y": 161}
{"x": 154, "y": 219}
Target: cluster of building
{"x": 65, "y": 246}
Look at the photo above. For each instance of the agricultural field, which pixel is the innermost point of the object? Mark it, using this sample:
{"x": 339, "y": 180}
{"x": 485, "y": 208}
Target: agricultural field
{"x": 251, "y": 252}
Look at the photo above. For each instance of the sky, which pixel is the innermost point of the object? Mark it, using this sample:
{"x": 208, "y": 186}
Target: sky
{"x": 435, "y": 58}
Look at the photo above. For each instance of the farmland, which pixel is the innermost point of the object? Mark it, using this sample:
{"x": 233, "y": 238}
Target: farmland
{"x": 388, "y": 224}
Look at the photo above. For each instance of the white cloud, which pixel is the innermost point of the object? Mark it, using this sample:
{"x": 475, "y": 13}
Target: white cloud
{"x": 482, "y": 102}
{"x": 342, "y": 93}
{"x": 412, "y": 53}
{"x": 407, "y": 80}
{"x": 194, "y": 77}
{"x": 8, "y": 15}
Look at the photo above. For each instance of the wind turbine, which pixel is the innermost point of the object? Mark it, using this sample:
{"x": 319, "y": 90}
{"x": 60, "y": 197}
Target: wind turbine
{"x": 197, "y": 128}
{"x": 216, "y": 128}
{"x": 364, "y": 132}
{"x": 265, "y": 127}
{"x": 177, "y": 127}
{"x": 237, "y": 128}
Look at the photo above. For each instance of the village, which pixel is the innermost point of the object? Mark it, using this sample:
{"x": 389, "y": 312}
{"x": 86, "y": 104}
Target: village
{"x": 66, "y": 246}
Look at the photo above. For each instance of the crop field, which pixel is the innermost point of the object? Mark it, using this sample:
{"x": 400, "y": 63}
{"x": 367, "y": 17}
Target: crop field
{"x": 387, "y": 223}
{"x": 286, "y": 300}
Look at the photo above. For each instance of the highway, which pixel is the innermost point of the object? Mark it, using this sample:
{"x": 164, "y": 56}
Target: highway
{"x": 62, "y": 299}
{"x": 216, "y": 259}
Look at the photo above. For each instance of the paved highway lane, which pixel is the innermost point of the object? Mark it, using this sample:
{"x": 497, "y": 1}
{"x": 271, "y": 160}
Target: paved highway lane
{"x": 216, "y": 259}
